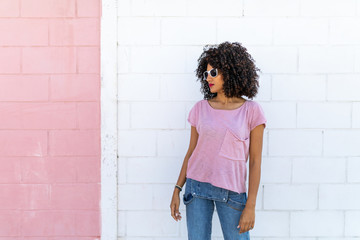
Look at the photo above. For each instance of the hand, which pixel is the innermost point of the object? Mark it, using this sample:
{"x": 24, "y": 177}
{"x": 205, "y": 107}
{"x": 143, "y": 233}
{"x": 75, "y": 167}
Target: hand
{"x": 247, "y": 220}
{"x": 174, "y": 206}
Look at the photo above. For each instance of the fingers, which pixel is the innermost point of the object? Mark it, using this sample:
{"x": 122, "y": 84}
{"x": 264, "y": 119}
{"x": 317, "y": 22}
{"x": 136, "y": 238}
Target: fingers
{"x": 175, "y": 212}
{"x": 245, "y": 226}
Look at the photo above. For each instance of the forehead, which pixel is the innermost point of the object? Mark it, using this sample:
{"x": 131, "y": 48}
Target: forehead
{"x": 209, "y": 67}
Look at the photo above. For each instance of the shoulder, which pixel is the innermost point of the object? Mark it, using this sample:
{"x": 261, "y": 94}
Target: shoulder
{"x": 199, "y": 103}
{"x": 253, "y": 104}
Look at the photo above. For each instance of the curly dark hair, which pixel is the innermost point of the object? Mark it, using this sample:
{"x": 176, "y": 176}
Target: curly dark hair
{"x": 236, "y": 66}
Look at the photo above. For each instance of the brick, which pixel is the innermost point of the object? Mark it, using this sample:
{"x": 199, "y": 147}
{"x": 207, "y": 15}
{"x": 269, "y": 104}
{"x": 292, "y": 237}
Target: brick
{"x": 275, "y": 59}
{"x": 24, "y": 88}
{"x": 74, "y": 169}
{"x": 35, "y": 170}
{"x": 48, "y": 223}
{"x": 89, "y": 115}
{"x": 275, "y": 170}
{"x": 199, "y": 9}
{"x": 135, "y": 197}
{"x": 9, "y": 8}
{"x": 88, "y": 59}
{"x": 48, "y": 8}
{"x": 326, "y": 59}
{"x": 36, "y": 196}
{"x": 290, "y": 197}
{"x": 179, "y": 87}
{"x": 81, "y": 87}
{"x": 23, "y": 143}
{"x": 84, "y": 31}
{"x": 49, "y": 60}
{"x": 352, "y": 220}
{"x": 11, "y": 196}
{"x": 10, "y": 171}
{"x": 74, "y": 142}
{"x": 272, "y": 113}
{"x": 24, "y": 32}
{"x": 296, "y": 31}
{"x": 64, "y": 223}
{"x": 10, "y": 60}
{"x": 156, "y": 114}
{"x": 296, "y": 87}
{"x": 155, "y": 59}
{"x": 339, "y": 143}
{"x": 75, "y": 196}
{"x": 147, "y": 87}
{"x": 141, "y": 170}
{"x": 355, "y": 115}
{"x": 271, "y": 224}
{"x": 138, "y": 31}
{"x": 280, "y": 144}
{"x": 175, "y": 31}
{"x": 161, "y": 224}
{"x": 263, "y": 8}
{"x": 88, "y": 8}
{"x": 88, "y": 224}
{"x": 321, "y": 115}
{"x": 327, "y": 8}
{"x": 192, "y": 54}
{"x": 341, "y": 31}
{"x": 160, "y": 196}
{"x": 353, "y": 166}
{"x": 121, "y": 164}
{"x": 10, "y": 223}
{"x": 123, "y": 59}
{"x": 343, "y": 87}
{"x": 251, "y": 31}
{"x": 151, "y": 8}
{"x": 319, "y": 224}
{"x": 173, "y": 143}
{"x": 121, "y": 231}
{"x": 136, "y": 143}
{"x": 37, "y": 115}
{"x": 319, "y": 170}
{"x": 339, "y": 196}
{"x": 123, "y": 115}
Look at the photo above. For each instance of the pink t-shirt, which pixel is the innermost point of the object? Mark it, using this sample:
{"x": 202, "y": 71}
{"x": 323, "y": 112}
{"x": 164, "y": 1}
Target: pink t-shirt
{"x": 222, "y": 149}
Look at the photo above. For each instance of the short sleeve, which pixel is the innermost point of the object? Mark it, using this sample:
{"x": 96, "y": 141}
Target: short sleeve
{"x": 257, "y": 116}
{"x": 193, "y": 115}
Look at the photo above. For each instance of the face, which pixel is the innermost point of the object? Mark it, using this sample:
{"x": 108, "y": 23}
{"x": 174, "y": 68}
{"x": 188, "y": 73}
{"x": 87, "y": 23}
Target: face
{"x": 215, "y": 83}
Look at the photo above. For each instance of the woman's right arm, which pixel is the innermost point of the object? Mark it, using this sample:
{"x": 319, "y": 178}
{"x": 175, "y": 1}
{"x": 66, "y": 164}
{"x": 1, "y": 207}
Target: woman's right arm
{"x": 175, "y": 201}
{"x": 193, "y": 141}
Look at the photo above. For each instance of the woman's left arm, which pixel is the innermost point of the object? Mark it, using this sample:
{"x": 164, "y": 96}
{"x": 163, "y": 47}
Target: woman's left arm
{"x": 247, "y": 219}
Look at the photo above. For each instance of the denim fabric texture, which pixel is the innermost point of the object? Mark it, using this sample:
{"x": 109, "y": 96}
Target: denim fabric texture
{"x": 200, "y": 199}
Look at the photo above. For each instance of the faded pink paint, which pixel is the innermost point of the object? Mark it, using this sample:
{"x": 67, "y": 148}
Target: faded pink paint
{"x": 50, "y": 119}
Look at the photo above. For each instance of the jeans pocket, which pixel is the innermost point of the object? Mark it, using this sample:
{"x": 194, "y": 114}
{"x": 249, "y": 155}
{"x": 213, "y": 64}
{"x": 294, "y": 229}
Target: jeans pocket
{"x": 187, "y": 198}
{"x": 233, "y": 147}
{"x": 237, "y": 201}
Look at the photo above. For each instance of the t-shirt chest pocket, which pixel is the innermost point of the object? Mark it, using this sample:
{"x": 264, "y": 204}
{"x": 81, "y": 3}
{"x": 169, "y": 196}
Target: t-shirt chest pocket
{"x": 233, "y": 146}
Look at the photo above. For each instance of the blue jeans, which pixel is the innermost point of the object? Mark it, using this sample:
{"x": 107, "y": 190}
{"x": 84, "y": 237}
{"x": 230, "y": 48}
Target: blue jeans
{"x": 199, "y": 198}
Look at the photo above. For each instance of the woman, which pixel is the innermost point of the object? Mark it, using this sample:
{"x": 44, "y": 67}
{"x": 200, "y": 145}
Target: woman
{"x": 225, "y": 130}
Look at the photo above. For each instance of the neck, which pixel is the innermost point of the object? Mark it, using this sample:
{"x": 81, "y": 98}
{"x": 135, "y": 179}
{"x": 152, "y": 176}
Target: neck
{"x": 220, "y": 97}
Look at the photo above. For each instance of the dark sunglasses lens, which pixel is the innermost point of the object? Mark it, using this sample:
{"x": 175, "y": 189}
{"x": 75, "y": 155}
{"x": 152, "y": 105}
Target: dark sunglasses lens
{"x": 213, "y": 72}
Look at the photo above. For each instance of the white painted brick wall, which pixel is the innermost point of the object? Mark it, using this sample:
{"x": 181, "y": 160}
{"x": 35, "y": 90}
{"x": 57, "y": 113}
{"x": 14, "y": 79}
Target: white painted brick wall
{"x": 309, "y": 55}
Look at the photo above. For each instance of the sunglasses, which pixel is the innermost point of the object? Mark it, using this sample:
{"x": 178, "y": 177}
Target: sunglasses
{"x": 213, "y": 73}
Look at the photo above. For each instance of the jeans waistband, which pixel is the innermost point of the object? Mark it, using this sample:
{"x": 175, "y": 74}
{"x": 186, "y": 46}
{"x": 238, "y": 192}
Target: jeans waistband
{"x": 206, "y": 190}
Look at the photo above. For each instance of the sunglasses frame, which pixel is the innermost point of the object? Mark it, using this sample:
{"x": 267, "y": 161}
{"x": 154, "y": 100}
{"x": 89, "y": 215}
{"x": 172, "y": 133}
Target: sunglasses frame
{"x": 208, "y": 72}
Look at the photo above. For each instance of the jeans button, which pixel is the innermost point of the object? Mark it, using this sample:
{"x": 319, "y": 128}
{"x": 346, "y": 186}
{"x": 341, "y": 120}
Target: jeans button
{"x": 224, "y": 199}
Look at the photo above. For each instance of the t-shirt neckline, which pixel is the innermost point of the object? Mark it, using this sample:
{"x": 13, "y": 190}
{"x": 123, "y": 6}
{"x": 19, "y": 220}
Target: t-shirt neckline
{"x": 207, "y": 102}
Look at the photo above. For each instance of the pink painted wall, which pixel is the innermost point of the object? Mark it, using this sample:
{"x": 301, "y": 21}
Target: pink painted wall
{"x": 50, "y": 119}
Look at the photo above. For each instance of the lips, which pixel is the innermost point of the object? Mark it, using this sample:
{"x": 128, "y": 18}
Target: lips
{"x": 210, "y": 84}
